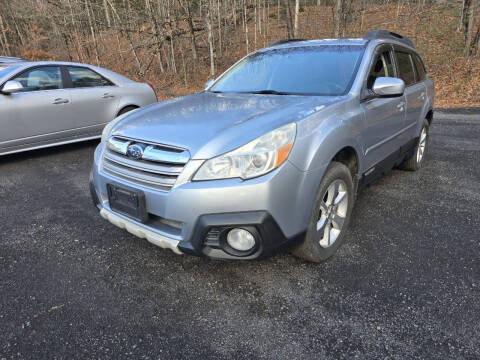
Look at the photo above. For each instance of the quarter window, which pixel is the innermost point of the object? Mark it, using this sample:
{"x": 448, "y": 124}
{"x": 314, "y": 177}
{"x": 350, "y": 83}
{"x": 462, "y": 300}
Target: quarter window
{"x": 41, "y": 78}
{"x": 419, "y": 67}
{"x": 382, "y": 67}
{"x": 405, "y": 68}
{"x": 83, "y": 77}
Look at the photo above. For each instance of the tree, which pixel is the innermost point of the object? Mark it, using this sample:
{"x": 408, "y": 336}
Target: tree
{"x": 211, "y": 45}
{"x": 295, "y": 27}
{"x": 469, "y": 10}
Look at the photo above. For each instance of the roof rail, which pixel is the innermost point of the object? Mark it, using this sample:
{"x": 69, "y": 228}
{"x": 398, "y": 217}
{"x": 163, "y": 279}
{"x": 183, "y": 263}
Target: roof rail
{"x": 284, "y": 41}
{"x": 385, "y": 34}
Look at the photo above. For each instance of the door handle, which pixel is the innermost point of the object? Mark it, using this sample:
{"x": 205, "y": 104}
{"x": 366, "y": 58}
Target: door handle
{"x": 400, "y": 106}
{"x": 422, "y": 96}
{"x": 60, "y": 101}
{"x": 107, "y": 96}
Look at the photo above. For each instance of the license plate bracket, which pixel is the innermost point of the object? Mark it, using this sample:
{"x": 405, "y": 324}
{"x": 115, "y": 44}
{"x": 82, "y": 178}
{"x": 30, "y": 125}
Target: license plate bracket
{"x": 127, "y": 201}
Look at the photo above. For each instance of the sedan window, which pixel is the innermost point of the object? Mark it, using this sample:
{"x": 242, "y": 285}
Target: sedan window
{"x": 83, "y": 77}
{"x": 40, "y": 78}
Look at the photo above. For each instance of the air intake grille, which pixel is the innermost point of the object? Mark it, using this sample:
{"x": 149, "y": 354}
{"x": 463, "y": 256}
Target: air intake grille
{"x": 151, "y": 165}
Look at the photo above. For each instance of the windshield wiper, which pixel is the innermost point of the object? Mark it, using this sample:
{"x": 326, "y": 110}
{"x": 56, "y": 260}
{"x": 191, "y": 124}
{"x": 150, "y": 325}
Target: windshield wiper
{"x": 273, "y": 92}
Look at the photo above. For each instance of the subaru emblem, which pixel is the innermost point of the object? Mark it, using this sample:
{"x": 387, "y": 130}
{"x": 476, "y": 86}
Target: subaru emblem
{"x": 135, "y": 151}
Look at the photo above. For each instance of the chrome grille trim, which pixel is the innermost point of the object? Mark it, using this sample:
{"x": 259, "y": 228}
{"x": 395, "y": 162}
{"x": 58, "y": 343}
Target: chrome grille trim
{"x": 164, "y": 169}
{"x": 118, "y": 146}
{"x": 158, "y": 155}
{"x": 159, "y": 169}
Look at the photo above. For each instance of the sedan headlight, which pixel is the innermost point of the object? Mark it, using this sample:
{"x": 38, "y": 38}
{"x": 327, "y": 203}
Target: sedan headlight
{"x": 256, "y": 158}
{"x": 111, "y": 124}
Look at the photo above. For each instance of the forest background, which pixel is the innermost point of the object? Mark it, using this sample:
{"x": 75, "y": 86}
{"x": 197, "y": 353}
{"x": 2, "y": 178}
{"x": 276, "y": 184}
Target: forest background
{"x": 177, "y": 45}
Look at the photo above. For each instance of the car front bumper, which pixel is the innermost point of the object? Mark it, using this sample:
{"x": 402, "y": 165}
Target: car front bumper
{"x": 276, "y": 207}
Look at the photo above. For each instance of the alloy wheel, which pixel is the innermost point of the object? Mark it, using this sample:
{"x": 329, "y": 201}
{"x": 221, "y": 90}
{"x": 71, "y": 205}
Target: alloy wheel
{"x": 422, "y": 145}
{"x": 332, "y": 213}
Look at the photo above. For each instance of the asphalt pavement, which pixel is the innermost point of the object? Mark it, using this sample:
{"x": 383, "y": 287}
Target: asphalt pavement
{"x": 406, "y": 284}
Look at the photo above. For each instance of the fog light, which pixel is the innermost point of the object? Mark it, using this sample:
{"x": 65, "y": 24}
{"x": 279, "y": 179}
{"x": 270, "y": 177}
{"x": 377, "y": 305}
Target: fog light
{"x": 240, "y": 239}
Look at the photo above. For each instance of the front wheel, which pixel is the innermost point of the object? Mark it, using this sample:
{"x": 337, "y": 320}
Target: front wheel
{"x": 330, "y": 215}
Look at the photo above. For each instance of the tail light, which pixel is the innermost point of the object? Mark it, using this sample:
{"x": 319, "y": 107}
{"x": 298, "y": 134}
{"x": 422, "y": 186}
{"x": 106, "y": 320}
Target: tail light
{"x": 153, "y": 90}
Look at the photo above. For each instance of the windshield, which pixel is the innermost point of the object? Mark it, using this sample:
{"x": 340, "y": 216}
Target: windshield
{"x": 317, "y": 70}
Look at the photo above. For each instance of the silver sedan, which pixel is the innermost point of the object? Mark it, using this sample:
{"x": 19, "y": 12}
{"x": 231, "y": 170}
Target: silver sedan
{"x": 51, "y": 103}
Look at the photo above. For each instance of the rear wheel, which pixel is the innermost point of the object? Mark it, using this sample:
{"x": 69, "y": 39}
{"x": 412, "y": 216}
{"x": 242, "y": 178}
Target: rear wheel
{"x": 330, "y": 215}
{"x": 414, "y": 162}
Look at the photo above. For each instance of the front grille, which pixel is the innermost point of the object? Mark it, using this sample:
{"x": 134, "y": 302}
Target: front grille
{"x": 156, "y": 166}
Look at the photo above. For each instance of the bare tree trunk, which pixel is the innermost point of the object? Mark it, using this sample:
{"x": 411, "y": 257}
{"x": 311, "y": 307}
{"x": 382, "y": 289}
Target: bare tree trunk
{"x": 297, "y": 10}
{"x": 156, "y": 33}
{"x": 278, "y": 11}
{"x": 107, "y": 13}
{"x": 92, "y": 30}
{"x": 337, "y": 14}
{"x": 288, "y": 19}
{"x": 462, "y": 17}
{"x": 184, "y": 67}
{"x": 6, "y": 45}
{"x": 245, "y": 21}
{"x": 127, "y": 35}
{"x": 255, "y": 25}
{"x": 219, "y": 28}
{"x": 76, "y": 36}
{"x": 17, "y": 28}
{"x": 470, "y": 6}
{"x": 210, "y": 40}
{"x": 172, "y": 51}
{"x": 234, "y": 13}
{"x": 191, "y": 28}
{"x": 477, "y": 41}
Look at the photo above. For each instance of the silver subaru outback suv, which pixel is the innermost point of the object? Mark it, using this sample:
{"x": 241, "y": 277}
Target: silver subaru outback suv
{"x": 270, "y": 156}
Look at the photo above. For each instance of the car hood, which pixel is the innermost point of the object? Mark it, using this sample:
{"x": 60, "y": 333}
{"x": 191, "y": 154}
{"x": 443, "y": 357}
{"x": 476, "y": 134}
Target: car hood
{"x": 209, "y": 124}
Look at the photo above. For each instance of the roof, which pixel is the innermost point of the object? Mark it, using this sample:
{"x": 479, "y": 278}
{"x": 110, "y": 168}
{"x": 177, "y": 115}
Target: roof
{"x": 380, "y": 35}
{"x": 111, "y": 75}
{"x": 303, "y": 43}
{"x": 388, "y": 35}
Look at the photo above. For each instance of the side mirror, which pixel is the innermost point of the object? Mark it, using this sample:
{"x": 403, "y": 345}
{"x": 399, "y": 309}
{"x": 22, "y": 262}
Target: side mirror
{"x": 208, "y": 83}
{"x": 11, "y": 87}
{"x": 388, "y": 86}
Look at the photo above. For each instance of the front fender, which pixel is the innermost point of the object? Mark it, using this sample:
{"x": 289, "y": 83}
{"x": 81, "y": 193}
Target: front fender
{"x": 322, "y": 136}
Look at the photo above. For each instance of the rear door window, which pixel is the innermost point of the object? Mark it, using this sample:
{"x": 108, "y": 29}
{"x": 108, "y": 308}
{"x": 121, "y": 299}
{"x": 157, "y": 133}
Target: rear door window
{"x": 83, "y": 77}
{"x": 40, "y": 78}
{"x": 405, "y": 67}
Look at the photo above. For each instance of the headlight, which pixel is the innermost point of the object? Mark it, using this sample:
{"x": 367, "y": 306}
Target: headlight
{"x": 111, "y": 124}
{"x": 256, "y": 158}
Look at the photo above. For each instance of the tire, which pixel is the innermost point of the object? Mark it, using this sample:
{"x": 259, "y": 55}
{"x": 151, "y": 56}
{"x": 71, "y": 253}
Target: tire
{"x": 126, "y": 109}
{"x": 328, "y": 214}
{"x": 414, "y": 162}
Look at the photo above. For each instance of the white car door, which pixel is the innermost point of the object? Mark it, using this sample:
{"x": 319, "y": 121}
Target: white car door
{"x": 94, "y": 100}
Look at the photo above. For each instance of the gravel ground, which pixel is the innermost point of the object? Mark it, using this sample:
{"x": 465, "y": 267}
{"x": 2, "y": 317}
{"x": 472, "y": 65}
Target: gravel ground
{"x": 405, "y": 285}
